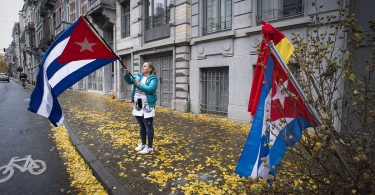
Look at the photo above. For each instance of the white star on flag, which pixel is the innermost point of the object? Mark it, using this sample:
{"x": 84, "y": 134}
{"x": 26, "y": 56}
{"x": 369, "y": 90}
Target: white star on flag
{"x": 85, "y": 45}
{"x": 280, "y": 94}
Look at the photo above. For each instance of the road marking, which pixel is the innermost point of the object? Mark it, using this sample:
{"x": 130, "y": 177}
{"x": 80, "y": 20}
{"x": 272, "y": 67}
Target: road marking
{"x": 35, "y": 167}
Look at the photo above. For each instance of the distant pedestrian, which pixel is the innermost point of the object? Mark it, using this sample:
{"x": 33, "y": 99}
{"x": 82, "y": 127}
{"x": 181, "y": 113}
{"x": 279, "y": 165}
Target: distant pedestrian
{"x": 23, "y": 79}
{"x": 144, "y": 100}
{"x": 23, "y": 76}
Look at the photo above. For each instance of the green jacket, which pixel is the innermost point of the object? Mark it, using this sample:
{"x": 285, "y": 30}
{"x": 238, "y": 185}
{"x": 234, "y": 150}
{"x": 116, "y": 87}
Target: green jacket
{"x": 149, "y": 87}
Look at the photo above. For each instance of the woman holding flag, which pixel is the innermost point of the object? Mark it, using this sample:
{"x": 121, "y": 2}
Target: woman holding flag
{"x": 144, "y": 100}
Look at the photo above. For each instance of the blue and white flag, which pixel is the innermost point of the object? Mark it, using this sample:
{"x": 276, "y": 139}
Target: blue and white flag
{"x": 76, "y": 53}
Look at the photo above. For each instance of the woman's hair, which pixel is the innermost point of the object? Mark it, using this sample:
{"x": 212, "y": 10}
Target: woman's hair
{"x": 150, "y": 65}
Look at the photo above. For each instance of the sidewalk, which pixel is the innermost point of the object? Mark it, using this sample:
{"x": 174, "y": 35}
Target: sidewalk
{"x": 28, "y": 85}
{"x": 192, "y": 153}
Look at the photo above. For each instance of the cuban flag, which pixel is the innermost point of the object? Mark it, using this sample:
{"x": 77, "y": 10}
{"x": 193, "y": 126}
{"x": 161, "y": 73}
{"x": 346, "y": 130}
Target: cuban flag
{"x": 76, "y": 53}
{"x": 277, "y": 105}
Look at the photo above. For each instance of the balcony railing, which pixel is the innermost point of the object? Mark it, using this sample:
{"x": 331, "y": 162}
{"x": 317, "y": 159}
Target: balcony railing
{"x": 49, "y": 4}
{"x": 158, "y": 19}
{"x": 30, "y": 36}
{"x": 47, "y": 35}
{"x": 61, "y": 27}
{"x": 93, "y": 4}
{"x": 157, "y": 26}
{"x": 30, "y": 26}
{"x": 217, "y": 26}
{"x": 282, "y": 13}
{"x": 31, "y": 2}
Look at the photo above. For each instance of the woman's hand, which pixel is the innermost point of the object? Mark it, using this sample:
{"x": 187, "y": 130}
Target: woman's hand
{"x": 126, "y": 70}
{"x": 135, "y": 82}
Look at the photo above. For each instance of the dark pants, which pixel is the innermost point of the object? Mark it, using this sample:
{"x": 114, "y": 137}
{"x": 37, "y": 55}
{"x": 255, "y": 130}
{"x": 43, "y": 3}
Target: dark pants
{"x": 146, "y": 128}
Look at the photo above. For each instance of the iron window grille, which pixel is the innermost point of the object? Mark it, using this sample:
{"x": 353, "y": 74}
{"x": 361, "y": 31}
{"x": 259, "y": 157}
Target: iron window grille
{"x": 279, "y": 9}
{"x": 217, "y": 16}
{"x": 214, "y": 90}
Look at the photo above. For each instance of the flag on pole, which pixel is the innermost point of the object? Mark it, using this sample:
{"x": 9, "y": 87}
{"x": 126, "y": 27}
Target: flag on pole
{"x": 76, "y": 53}
{"x": 277, "y": 105}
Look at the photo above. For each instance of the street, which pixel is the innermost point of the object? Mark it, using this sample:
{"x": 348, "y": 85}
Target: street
{"x": 25, "y": 135}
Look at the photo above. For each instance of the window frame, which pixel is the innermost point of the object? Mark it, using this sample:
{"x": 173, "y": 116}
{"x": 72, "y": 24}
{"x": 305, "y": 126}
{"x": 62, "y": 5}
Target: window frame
{"x": 72, "y": 11}
{"x": 156, "y": 27}
{"x": 219, "y": 14}
{"x": 125, "y": 22}
{"x": 214, "y": 79}
{"x": 299, "y": 5}
{"x": 167, "y": 11}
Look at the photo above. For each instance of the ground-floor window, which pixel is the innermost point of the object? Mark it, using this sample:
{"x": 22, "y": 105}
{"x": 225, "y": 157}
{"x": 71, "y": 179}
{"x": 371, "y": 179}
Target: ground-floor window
{"x": 95, "y": 80}
{"x": 81, "y": 84}
{"x": 214, "y": 90}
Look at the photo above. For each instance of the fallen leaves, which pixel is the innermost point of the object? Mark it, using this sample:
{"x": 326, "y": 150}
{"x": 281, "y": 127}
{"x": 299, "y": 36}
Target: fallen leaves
{"x": 193, "y": 154}
{"x": 80, "y": 174}
{"x": 159, "y": 177}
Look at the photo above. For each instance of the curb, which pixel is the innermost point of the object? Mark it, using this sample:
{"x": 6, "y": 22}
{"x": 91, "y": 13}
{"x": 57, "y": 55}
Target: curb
{"x": 109, "y": 182}
{"x": 28, "y": 86}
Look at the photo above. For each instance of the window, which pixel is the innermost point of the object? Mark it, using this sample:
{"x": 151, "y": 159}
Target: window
{"x": 156, "y": 20}
{"x": 31, "y": 38}
{"x": 56, "y": 16}
{"x": 95, "y": 80}
{"x": 218, "y": 15}
{"x": 214, "y": 90}
{"x": 125, "y": 19}
{"x": 72, "y": 12}
{"x": 83, "y": 7}
{"x": 269, "y": 10}
{"x": 63, "y": 10}
{"x": 157, "y": 13}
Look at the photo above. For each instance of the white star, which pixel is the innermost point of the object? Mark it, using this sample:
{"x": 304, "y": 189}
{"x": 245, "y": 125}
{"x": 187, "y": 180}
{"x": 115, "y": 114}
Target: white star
{"x": 85, "y": 45}
{"x": 280, "y": 94}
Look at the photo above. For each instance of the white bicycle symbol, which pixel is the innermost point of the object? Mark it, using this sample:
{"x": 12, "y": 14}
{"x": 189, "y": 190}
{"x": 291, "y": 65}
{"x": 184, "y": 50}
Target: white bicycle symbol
{"x": 35, "y": 167}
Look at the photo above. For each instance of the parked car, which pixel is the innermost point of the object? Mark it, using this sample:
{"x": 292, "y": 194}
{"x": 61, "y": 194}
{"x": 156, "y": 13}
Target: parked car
{"x": 4, "y": 77}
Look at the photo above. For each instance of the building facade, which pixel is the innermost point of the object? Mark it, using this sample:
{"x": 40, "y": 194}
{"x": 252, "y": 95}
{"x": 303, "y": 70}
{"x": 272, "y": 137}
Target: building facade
{"x": 30, "y": 52}
{"x": 101, "y": 13}
{"x": 225, "y": 36}
{"x": 204, "y": 50}
{"x": 159, "y": 32}
{"x": 15, "y": 48}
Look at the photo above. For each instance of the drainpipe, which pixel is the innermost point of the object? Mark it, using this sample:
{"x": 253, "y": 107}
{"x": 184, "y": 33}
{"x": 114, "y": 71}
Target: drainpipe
{"x": 19, "y": 44}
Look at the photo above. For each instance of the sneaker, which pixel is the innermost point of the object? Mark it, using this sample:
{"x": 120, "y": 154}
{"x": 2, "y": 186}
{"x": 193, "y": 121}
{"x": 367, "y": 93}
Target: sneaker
{"x": 140, "y": 147}
{"x": 146, "y": 150}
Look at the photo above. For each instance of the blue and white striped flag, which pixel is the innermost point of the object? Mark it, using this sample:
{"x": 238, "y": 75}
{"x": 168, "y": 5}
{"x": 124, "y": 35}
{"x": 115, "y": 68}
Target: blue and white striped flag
{"x": 76, "y": 53}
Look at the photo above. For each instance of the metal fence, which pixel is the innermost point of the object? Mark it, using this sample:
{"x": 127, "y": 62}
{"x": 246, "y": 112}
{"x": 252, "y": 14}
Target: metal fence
{"x": 213, "y": 25}
{"x": 214, "y": 90}
{"x": 158, "y": 19}
{"x": 288, "y": 9}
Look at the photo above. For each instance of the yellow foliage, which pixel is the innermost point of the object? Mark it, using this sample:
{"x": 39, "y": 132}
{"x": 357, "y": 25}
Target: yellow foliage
{"x": 80, "y": 174}
{"x": 185, "y": 159}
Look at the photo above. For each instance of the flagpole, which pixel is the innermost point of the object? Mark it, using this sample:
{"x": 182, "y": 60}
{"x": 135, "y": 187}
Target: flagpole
{"x": 283, "y": 65}
{"x": 105, "y": 42}
{"x": 294, "y": 81}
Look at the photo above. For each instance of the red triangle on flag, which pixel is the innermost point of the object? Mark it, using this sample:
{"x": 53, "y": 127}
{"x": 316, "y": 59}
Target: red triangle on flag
{"x": 84, "y": 44}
